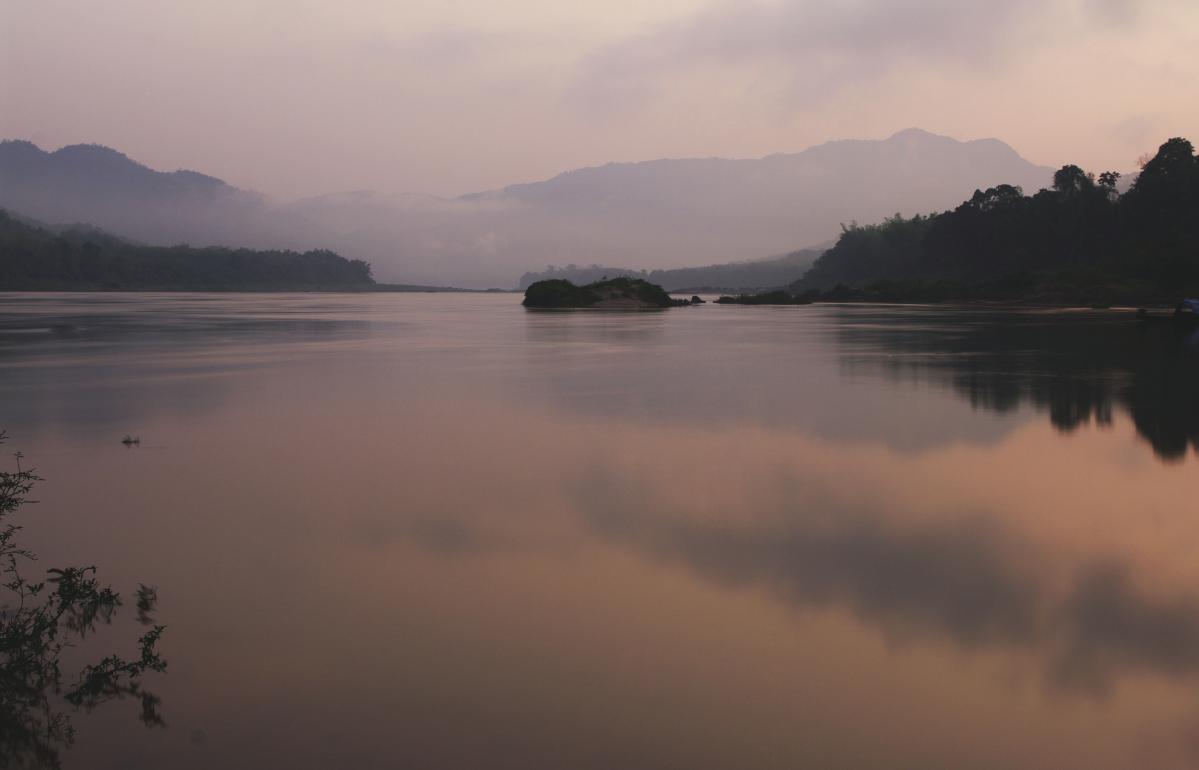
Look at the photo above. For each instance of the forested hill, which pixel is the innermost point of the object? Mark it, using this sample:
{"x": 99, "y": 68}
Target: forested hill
{"x": 39, "y": 257}
{"x": 1080, "y": 234}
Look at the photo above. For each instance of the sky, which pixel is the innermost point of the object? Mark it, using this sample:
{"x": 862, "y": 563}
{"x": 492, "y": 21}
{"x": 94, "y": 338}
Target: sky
{"x": 303, "y": 97}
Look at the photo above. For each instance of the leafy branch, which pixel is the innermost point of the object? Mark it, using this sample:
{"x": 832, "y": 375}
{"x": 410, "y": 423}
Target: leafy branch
{"x": 39, "y": 621}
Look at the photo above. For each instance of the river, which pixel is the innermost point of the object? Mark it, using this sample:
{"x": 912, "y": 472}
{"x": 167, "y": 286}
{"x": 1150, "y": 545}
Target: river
{"x": 441, "y": 531}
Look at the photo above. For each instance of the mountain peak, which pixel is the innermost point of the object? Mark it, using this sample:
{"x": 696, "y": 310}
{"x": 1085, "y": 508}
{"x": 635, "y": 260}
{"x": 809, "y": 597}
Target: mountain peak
{"x": 91, "y": 150}
{"x": 22, "y": 145}
{"x": 918, "y": 134}
{"x": 19, "y": 152}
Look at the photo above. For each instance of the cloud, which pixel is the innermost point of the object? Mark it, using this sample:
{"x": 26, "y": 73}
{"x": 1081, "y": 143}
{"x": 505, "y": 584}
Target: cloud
{"x": 1114, "y": 12}
{"x": 815, "y": 49}
{"x": 956, "y": 580}
{"x": 1106, "y": 626}
{"x": 824, "y": 45}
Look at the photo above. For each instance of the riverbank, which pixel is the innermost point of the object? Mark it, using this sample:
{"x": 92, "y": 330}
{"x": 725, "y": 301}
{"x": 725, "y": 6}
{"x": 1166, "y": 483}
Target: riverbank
{"x": 1015, "y": 291}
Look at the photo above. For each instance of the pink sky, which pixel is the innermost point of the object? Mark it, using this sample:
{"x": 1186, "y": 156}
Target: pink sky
{"x": 453, "y": 96}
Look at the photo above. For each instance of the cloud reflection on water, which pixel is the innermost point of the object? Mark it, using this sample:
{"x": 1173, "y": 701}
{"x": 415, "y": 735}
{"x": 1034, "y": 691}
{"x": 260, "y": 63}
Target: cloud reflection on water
{"x": 966, "y": 579}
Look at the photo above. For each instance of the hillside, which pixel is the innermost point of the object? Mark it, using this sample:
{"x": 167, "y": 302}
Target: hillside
{"x": 1079, "y": 238}
{"x": 34, "y": 257}
{"x": 658, "y": 215}
{"x": 95, "y": 184}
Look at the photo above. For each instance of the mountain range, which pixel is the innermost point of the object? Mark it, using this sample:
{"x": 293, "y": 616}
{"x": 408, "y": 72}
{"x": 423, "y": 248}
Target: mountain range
{"x": 657, "y": 214}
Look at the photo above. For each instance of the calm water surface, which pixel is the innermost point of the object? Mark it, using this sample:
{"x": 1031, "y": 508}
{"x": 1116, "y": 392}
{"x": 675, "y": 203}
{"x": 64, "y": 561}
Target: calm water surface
{"x": 440, "y": 531}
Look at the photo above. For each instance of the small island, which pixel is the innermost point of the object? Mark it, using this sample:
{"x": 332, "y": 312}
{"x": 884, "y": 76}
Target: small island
{"x": 622, "y": 293}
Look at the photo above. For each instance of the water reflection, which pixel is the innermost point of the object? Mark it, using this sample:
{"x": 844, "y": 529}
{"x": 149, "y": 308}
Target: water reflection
{"x": 441, "y": 533}
{"x": 968, "y": 579}
{"x": 597, "y": 329}
{"x": 1076, "y": 366}
{"x": 56, "y": 324}
{"x": 106, "y": 362}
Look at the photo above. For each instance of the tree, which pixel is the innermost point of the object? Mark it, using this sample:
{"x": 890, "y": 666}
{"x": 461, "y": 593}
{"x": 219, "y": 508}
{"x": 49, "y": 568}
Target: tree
{"x": 1080, "y": 237}
{"x": 1000, "y": 196}
{"x": 1109, "y": 179}
{"x": 1163, "y": 214}
{"x": 1071, "y": 180}
{"x": 1174, "y": 159}
{"x": 1107, "y": 183}
{"x": 38, "y": 622}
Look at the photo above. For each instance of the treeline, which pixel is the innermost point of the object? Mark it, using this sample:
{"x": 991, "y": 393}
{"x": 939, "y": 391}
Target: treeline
{"x": 1080, "y": 237}
{"x": 34, "y": 257}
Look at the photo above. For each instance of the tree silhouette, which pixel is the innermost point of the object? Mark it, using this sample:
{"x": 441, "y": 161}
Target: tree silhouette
{"x": 1072, "y": 180}
{"x": 39, "y": 620}
{"x": 1002, "y": 243}
{"x": 1109, "y": 179}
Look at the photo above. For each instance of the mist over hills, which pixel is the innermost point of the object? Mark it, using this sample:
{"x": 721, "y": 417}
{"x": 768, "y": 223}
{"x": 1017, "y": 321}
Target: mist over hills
{"x": 650, "y": 215}
{"x": 96, "y": 185}
{"x": 752, "y": 275}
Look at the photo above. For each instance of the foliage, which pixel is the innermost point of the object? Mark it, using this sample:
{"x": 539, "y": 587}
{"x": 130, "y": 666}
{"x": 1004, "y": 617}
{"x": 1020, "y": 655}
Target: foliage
{"x": 39, "y": 621}
{"x": 634, "y": 288}
{"x": 559, "y": 293}
{"x": 33, "y": 257}
{"x": 1079, "y": 229}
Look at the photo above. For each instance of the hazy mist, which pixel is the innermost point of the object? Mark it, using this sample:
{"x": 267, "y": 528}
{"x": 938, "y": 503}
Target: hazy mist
{"x": 657, "y": 214}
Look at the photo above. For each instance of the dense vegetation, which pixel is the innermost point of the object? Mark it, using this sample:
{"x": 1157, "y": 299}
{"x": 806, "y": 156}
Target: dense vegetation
{"x": 36, "y": 257}
{"x": 1080, "y": 239}
{"x": 614, "y": 293}
{"x": 558, "y": 292}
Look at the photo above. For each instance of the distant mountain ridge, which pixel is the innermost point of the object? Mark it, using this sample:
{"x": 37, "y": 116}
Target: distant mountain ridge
{"x": 90, "y": 183}
{"x": 92, "y": 164}
{"x": 659, "y": 214}
{"x": 907, "y": 149}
